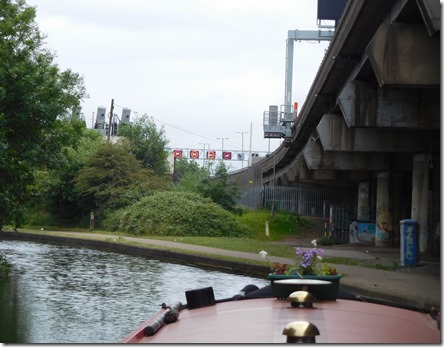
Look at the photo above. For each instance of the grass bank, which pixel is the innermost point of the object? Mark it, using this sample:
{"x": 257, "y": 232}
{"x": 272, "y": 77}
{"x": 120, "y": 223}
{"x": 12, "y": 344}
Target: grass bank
{"x": 281, "y": 226}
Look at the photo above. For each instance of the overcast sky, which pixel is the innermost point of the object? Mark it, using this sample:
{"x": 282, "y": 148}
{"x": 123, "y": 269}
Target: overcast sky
{"x": 203, "y": 69}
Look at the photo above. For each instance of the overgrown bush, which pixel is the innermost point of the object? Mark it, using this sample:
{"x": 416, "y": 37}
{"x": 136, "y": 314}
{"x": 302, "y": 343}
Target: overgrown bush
{"x": 190, "y": 177}
{"x": 173, "y": 213}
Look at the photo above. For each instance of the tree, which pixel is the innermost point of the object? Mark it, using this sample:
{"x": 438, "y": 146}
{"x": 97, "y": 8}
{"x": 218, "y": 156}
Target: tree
{"x": 54, "y": 191}
{"x": 34, "y": 93}
{"x": 113, "y": 178}
{"x": 197, "y": 179}
{"x": 221, "y": 190}
{"x": 147, "y": 144}
{"x": 189, "y": 175}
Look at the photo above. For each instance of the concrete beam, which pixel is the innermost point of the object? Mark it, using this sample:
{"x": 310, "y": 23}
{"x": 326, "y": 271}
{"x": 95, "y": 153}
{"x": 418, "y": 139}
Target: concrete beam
{"x": 363, "y": 104}
{"x": 317, "y": 158}
{"x": 335, "y": 135}
{"x": 324, "y": 175}
{"x": 301, "y": 168}
{"x": 306, "y": 175}
{"x": 431, "y": 13}
{"x": 283, "y": 180}
{"x": 290, "y": 174}
{"x": 405, "y": 55}
{"x": 298, "y": 171}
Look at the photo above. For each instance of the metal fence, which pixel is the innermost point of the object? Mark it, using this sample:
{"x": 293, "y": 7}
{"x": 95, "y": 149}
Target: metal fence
{"x": 304, "y": 199}
{"x": 339, "y": 223}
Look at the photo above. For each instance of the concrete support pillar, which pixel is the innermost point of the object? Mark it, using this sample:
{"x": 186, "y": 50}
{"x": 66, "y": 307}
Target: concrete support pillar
{"x": 383, "y": 214}
{"x": 363, "y": 201}
{"x": 420, "y": 194}
{"x": 398, "y": 203}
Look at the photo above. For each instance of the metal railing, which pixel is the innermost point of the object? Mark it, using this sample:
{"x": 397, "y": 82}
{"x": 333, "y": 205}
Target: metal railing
{"x": 306, "y": 200}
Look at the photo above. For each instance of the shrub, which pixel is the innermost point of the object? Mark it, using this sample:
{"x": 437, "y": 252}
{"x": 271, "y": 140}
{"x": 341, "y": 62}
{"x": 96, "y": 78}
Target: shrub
{"x": 173, "y": 213}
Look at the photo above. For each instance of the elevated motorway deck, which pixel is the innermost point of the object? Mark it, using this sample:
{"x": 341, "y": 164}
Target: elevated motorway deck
{"x": 372, "y": 117}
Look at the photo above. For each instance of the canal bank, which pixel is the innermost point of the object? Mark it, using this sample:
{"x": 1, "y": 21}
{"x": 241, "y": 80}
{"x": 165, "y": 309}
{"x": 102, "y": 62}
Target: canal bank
{"x": 159, "y": 250}
{"x": 418, "y": 287}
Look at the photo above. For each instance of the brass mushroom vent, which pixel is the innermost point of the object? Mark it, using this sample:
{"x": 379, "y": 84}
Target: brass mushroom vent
{"x": 300, "y": 332}
{"x": 302, "y": 299}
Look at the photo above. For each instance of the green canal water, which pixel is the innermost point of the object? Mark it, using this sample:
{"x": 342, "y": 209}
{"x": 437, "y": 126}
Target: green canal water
{"x": 60, "y": 294}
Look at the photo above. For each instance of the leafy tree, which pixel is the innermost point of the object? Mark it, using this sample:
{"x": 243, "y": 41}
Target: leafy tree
{"x": 33, "y": 94}
{"x": 147, "y": 144}
{"x": 147, "y": 183}
{"x": 113, "y": 178}
{"x": 194, "y": 178}
{"x": 105, "y": 176}
{"x": 54, "y": 191}
{"x": 189, "y": 175}
{"x": 221, "y": 190}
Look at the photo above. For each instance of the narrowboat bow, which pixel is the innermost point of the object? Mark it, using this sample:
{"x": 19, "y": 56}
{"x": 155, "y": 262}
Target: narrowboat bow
{"x": 254, "y": 316}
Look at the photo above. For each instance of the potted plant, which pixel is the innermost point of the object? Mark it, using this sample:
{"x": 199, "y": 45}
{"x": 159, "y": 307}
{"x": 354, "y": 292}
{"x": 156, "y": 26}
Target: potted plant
{"x": 308, "y": 265}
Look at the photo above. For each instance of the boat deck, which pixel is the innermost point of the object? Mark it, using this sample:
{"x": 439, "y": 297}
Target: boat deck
{"x": 262, "y": 320}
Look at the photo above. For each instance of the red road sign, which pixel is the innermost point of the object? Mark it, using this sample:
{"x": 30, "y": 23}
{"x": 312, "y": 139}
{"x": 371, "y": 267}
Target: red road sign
{"x": 177, "y": 153}
{"x": 211, "y": 155}
{"x": 194, "y": 154}
{"x": 226, "y": 155}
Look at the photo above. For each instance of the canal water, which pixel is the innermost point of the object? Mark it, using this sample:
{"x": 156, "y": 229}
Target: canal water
{"x": 64, "y": 294}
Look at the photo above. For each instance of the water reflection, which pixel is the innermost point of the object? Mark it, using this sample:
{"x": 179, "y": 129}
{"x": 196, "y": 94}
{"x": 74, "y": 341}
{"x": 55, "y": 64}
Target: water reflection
{"x": 59, "y": 294}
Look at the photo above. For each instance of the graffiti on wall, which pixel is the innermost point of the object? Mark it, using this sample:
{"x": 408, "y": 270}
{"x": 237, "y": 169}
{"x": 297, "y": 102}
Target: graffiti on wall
{"x": 362, "y": 232}
{"x": 383, "y": 225}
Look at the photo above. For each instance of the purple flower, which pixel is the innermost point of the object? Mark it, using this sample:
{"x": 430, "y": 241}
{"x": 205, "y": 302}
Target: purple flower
{"x": 308, "y": 260}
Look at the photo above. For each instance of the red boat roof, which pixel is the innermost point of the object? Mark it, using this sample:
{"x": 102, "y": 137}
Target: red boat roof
{"x": 263, "y": 320}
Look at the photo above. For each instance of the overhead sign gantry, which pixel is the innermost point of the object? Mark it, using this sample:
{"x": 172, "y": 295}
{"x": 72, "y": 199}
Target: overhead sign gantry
{"x": 278, "y": 121}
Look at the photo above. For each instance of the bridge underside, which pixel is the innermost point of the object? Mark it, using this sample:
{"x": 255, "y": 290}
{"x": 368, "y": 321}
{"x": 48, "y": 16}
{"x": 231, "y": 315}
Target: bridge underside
{"x": 372, "y": 119}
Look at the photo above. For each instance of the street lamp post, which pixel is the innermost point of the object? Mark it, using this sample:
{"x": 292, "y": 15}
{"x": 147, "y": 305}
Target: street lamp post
{"x": 242, "y": 132}
{"x": 222, "y": 139}
{"x": 204, "y": 157}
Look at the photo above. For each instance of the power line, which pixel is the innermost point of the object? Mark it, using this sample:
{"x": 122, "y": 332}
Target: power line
{"x": 176, "y": 127}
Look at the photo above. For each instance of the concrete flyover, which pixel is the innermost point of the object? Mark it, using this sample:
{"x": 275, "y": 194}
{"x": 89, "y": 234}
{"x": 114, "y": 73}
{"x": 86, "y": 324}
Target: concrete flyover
{"x": 371, "y": 120}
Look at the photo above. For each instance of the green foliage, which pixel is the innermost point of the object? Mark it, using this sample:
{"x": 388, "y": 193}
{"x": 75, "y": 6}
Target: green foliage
{"x": 92, "y": 175}
{"x": 38, "y": 217}
{"x": 146, "y": 183}
{"x": 146, "y": 143}
{"x": 104, "y": 179}
{"x": 54, "y": 191}
{"x": 222, "y": 191}
{"x": 176, "y": 213}
{"x": 197, "y": 179}
{"x": 189, "y": 175}
{"x": 34, "y": 93}
{"x": 5, "y": 267}
{"x": 328, "y": 270}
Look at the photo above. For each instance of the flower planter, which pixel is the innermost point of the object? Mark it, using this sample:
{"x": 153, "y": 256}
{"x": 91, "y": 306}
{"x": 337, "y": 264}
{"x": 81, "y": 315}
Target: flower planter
{"x": 320, "y": 292}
